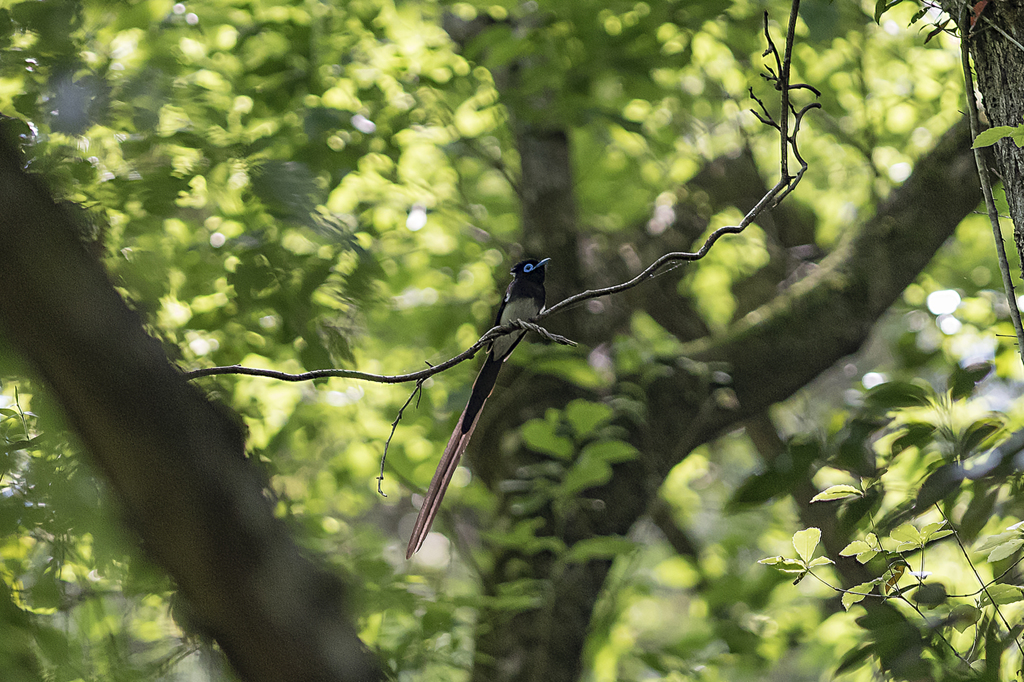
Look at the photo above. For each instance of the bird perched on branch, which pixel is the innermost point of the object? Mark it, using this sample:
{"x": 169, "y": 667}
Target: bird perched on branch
{"x": 524, "y": 299}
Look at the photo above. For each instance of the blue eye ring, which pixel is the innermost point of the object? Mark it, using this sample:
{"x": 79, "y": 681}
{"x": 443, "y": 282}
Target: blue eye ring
{"x": 528, "y": 267}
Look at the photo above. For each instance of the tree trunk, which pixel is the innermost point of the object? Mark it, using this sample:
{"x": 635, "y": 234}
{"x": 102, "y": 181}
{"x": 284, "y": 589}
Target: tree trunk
{"x": 999, "y": 65}
{"x": 176, "y": 462}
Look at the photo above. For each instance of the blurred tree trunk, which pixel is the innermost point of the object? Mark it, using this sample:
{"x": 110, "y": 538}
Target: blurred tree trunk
{"x": 176, "y": 461}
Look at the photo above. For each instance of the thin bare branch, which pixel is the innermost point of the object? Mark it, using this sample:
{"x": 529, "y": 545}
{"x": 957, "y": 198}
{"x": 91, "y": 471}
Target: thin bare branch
{"x": 418, "y": 391}
{"x": 311, "y": 375}
{"x": 984, "y": 585}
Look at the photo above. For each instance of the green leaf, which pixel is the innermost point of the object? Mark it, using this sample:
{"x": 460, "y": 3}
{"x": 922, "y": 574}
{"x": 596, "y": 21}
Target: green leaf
{"x": 837, "y": 492}
{"x": 601, "y": 547}
{"x": 518, "y": 595}
{"x": 539, "y": 435}
{"x": 914, "y": 434}
{"x": 895, "y": 394}
{"x": 940, "y": 484}
{"x": 593, "y": 466}
{"x": 586, "y": 472}
{"x": 964, "y": 616}
{"x": 930, "y": 594}
{"x": 854, "y": 658}
{"x": 865, "y": 550}
{"x": 857, "y": 594}
{"x": 978, "y": 433}
{"x": 993, "y": 541}
{"x": 759, "y": 488}
{"x": 784, "y": 564}
{"x": 881, "y": 6}
{"x": 1001, "y": 594}
{"x": 1005, "y": 549}
{"x": 612, "y": 451}
{"x": 805, "y": 541}
{"x": 584, "y": 416}
{"x": 783, "y": 474}
{"x": 849, "y": 599}
{"x": 819, "y": 561}
{"x": 855, "y": 444}
{"x": 854, "y": 548}
{"x": 935, "y": 31}
{"x": 983, "y": 499}
{"x": 523, "y": 537}
{"x": 962, "y": 380}
{"x": 987, "y": 138}
{"x": 931, "y": 528}
{"x": 572, "y": 369}
{"x": 908, "y": 537}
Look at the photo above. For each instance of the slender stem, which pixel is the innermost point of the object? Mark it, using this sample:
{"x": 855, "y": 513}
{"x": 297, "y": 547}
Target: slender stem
{"x": 394, "y": 426}
{"x": 783, "y": 86}
{"x": 977, "y": 576}
{"x": 422, "y": 374}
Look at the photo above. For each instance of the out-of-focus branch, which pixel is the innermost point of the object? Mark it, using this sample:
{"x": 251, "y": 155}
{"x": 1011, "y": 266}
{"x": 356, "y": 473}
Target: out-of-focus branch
{"x": 175, "y": 460}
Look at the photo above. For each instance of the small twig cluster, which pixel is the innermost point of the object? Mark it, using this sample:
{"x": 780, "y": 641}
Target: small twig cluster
{"x": 418, "y": 391}
{"x": 786, "y": 183}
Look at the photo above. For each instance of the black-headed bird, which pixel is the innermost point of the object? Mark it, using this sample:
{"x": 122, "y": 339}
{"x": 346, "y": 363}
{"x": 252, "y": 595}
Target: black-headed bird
{"x": 524, "y": 299}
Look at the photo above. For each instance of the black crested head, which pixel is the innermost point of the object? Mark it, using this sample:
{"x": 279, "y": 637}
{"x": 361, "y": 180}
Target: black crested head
{"x": 531, "y": 269}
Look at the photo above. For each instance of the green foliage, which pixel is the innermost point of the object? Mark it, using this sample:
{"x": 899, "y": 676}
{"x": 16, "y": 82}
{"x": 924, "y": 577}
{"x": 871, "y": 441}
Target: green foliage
{"x": 989, "y": 137}
{"x": 942, "y": 612}
{"x": 74, "y": 593}
{"x": 804, "y": 542}
{"x": 249, "y": 174}
{"x": 837, "y": 492}
{"x": 584, "y": 442}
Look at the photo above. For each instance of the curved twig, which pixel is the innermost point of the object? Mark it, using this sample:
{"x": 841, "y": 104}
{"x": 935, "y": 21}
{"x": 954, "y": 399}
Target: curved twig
{"x": 417, "y": 391}
{"x": 786, "y": 184}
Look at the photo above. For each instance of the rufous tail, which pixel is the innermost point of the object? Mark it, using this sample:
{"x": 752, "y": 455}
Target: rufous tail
{"x": 482, "y": 388}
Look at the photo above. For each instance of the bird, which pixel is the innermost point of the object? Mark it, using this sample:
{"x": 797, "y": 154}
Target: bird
{"x": 524, "y": 300}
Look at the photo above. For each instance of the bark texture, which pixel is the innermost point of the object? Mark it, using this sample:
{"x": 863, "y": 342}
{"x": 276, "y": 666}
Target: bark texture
{"x": 995, "y": 45}
{"x": 176, "y": 461}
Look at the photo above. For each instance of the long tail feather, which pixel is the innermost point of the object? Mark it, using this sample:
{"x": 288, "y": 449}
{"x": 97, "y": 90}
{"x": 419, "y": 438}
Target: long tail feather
{"x": 482, "y": 388}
